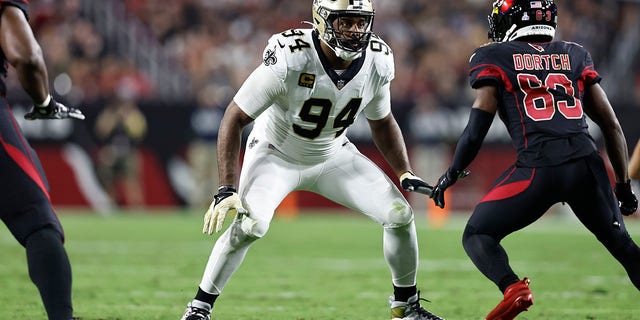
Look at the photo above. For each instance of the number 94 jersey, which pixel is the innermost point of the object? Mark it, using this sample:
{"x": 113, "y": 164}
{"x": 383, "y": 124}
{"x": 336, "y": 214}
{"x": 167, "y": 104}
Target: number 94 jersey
{"x": 302, "y": 106}
{"x": 541, "y": 86}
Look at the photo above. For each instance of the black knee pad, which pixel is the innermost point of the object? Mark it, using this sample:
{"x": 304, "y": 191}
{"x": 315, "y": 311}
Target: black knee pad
{"x": 44, "y": 235}
{"x": 467, "y": 234}
{"x": 469, "y": 230}
{"x": 473, "y": 239}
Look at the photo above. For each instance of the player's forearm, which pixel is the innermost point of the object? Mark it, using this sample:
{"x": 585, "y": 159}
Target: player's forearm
{"x": 229, "y": 142}
{"x": 397, "y": 158}
{"x": 389, "y": 140}
{"x": 33, "y": 77}
{"x": 634, "y": 163}
{"x": 471, "y": 139}
{"x": 616, "y": 146}
{"x": 599, "y": 109}
{"x": 24, "y": 53}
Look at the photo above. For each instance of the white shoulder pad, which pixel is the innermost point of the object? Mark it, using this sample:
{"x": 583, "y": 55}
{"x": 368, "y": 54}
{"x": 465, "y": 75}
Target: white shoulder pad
{"x": 382, "y": 57}
{"x": 290, "y": 50}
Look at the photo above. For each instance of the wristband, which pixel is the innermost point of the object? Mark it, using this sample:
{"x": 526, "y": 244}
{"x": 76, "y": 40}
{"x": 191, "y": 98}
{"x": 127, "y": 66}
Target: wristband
{"x": 226, "y": 188}
{"x": 45, "y": 103}
{"x": 406, "y": 175}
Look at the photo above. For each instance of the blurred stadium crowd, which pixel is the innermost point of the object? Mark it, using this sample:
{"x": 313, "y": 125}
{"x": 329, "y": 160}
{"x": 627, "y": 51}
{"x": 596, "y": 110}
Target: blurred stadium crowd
{"x": 212, "y": 45}
{"x": 154, "y": 77}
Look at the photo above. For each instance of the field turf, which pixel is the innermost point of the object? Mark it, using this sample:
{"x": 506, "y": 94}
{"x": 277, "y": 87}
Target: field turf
{"x": 133, "y": 265}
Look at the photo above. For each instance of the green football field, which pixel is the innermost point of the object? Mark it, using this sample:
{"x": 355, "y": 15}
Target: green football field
{"x": 133, "y": 265}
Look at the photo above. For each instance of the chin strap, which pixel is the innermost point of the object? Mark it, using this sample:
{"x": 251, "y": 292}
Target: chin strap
{"x": 347, "y": 55}
{"x": 509, "y": 32}
{"x": 341, "y": 53}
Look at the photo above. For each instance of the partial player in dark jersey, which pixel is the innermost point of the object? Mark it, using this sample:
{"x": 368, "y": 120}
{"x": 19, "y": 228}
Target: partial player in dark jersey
{"x": 542, "y": 92}
{"x": 25, "y": 206}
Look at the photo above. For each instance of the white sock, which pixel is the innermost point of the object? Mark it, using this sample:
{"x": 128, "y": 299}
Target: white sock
{"x": 400, "y": 247}
{"x": 223, "y": 262}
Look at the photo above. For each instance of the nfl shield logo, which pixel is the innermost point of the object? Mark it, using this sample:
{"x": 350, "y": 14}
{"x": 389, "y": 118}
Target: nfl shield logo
{"x": 340, "y": 84}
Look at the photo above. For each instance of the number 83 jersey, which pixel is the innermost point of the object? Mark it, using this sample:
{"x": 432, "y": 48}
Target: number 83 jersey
{"x": 540, "y": 87}
{"x": 303, "y": 107}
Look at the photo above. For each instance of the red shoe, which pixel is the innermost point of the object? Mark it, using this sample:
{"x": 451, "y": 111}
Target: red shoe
{"x": 517, "y": 298}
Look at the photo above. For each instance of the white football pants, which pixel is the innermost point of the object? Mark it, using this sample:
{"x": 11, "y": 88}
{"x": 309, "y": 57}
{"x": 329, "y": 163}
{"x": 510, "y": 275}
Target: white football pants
{"x": 348, "y": 178}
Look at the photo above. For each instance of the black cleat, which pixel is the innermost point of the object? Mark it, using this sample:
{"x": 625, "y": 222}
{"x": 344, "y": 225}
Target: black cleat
{"x": 195, "y": 313}
{"x": 410, "y": 310}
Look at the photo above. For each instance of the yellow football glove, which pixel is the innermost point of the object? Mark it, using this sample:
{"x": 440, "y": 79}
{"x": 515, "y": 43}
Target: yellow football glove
{"x": 226, "y": 201}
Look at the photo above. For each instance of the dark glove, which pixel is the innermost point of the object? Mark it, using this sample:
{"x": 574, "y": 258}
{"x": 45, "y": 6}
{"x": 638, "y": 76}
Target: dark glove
{"x": 411, "y": 182}
{"x": 446, "y": 180}
{"x": 626, "y": 199}
{"x": 53, "y": 110}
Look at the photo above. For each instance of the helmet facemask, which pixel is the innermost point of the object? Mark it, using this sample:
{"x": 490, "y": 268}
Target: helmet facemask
{"x": 347, "y": 30}
{"x": 513, "y": 19}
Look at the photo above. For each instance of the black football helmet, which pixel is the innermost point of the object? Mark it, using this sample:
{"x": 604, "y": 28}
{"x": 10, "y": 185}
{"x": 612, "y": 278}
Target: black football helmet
{"x": 513, "y": 19}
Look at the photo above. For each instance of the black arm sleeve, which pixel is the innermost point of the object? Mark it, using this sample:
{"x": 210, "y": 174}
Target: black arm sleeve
{"x": 471, "y": 139}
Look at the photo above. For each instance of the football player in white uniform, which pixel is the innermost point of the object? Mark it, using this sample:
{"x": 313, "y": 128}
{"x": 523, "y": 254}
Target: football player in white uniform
{"x": 310, "y": 88}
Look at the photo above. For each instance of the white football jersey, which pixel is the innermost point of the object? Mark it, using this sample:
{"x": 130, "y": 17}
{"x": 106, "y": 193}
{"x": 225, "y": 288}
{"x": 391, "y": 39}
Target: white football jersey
{"x": 302, "y": 106}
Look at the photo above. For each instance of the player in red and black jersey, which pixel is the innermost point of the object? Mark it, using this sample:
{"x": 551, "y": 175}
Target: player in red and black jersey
{"x": 25, "y": 206}
{"x": 542, "y": 92}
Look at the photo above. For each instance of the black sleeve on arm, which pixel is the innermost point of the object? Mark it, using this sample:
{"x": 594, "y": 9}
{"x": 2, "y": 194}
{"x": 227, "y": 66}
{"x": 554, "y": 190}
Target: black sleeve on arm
{"x": 471, "y": 139}
{"x": 18, "y": 4}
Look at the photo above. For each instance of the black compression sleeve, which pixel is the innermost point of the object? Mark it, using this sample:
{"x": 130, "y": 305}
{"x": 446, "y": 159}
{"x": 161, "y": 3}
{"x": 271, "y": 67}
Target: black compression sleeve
{"x": 471, "y": 139}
